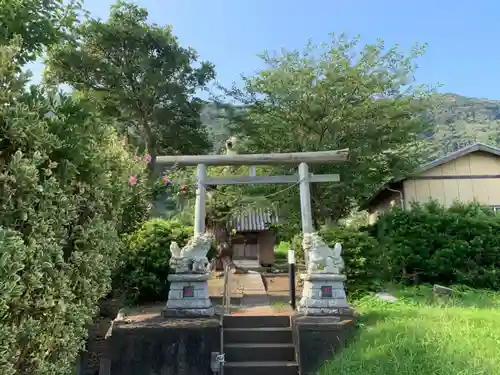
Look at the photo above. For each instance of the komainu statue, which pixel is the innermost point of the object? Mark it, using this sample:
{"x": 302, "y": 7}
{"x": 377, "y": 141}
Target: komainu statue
{"x": 192, "y": 258}
{"x": 321, "y": 258}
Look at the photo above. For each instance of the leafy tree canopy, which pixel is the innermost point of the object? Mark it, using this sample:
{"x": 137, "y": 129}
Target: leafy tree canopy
{"x": 39, "y": 23}
{"x": 336, "y": 96}
{"x": 138, "y": 73}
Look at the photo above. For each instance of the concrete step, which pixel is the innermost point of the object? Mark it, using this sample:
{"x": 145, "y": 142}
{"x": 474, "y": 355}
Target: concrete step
{"x": 256, "y": 300}
{"x": 261, "y": 368}
{"x": 249, "y": 321}
{"x": 259, "y": 352}
{"x": 249, "y": 264}
{"x": 265, "y": 335}
{"x": 235, "y": 301}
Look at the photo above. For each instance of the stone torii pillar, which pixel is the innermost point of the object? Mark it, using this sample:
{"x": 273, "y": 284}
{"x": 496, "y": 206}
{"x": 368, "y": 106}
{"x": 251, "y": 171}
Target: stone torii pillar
{"x": 323, "y": 292}
{"x": 201, "y": 193}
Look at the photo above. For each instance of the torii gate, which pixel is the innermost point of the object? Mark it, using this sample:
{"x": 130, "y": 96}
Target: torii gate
{"x": 323, "y": 293}
{"x": 302, "y": 159}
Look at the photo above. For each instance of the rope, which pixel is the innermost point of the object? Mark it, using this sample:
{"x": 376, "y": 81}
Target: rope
{"x": 176, "y": 167}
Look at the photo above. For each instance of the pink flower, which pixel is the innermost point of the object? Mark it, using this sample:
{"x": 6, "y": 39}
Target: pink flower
{"x": 147, "y": 158}
{"x": 133, "y": 180}
{"x": 137, "y": 158}
{"x": 166, "y": 180}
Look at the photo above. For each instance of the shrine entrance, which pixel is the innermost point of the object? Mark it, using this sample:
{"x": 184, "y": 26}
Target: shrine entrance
{"x": 248, "y": 248}
{"x": 303, "y": 178}
{"x": 324, "y": 292}
{"x": 245, "y": 250}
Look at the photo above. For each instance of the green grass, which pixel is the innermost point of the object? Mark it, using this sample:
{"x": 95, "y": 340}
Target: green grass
{"x": 424, "y": 335}
{"x": 281, "y": 250}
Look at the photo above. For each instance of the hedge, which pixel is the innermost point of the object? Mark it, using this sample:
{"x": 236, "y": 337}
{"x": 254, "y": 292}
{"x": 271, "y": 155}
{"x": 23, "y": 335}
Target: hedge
{"x": 430, "y": 243}
{"x": 64, "y": 198}
{"x": 143, "y": 274}
{"x": 360, "y": 253}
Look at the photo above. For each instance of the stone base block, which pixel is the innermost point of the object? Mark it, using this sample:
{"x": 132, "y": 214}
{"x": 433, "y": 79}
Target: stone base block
{"x": 164, "y": 346}
{"x": 196, "y": 303}
{"x": 187, "y": 313}
{"x": 345, "y": 313}
{"x": 318, "y": 339}
{"x": 324, "y": 294}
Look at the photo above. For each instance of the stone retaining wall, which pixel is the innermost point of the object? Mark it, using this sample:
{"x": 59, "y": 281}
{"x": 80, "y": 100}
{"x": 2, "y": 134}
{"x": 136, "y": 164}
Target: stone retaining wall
{"x": 163, "y": 347}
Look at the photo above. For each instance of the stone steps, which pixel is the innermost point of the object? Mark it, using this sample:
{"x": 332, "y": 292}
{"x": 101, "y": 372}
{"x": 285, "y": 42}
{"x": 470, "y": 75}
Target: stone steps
{"x": 258, "y": 352}
{"x": 252, "y": 321}
{"x": 263, "y": 335}
{"x": 259, "y": 345}
{"x": 261, "y": 368}
{"x": 235, "y": 301}
{"x": 248, "y": 264}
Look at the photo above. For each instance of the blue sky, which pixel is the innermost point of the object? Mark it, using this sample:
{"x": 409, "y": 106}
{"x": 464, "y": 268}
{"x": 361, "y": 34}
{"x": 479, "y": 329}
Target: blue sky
{"x": 463, "y": 36}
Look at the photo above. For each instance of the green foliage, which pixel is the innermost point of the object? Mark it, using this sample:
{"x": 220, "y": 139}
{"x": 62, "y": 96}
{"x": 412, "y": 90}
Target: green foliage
{"x": 38, "y": 23}
{"x": 224, "y": 201}
{"x": 461, "y": 121}
{"x": 281, "y": 251}
{"x": 430, "y": 243}
{"x": 64, "y": 186}
{"x": 361, "y": 255}
{"x": 142, "y": 274}
{"x": 138, "y": 73}
{"x": 336, "y": 96}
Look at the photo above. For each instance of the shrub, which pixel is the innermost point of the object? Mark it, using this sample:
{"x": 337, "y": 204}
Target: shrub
{"x": 430, "y": 243}
{"x": 142, "y": 275}
{"x": 64, "y": 179}
{"x": 281, "y": 251}
{"x": 360, "y": 253}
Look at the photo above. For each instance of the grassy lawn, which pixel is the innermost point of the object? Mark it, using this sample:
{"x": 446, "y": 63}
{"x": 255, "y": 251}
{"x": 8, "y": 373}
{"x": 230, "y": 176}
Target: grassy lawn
{"x": 422, "y": 335}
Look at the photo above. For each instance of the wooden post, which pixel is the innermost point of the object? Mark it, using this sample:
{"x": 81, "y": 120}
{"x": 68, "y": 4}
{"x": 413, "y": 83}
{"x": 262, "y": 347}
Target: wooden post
{"x": 305, "y": 202}
{"x": 291, "y": 275}
{"x": 199, "y": 209}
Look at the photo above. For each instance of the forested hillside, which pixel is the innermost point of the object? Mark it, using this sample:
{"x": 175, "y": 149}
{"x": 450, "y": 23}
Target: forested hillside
{"x": 458, "y": 122}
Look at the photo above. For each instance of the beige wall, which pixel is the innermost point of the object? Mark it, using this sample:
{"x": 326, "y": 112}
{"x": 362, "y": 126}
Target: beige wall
{"x": 446, "y": 190}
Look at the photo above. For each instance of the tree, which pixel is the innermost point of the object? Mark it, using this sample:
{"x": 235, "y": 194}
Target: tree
{"x": 39, "y": 23}
{"x": 64, "y": 197}
{"x": 139, "y": 74}
{"x": 331, "y": 97}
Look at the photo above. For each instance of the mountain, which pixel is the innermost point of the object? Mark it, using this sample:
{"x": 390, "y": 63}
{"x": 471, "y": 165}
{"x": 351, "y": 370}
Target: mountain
{"x": 460, "y": 121}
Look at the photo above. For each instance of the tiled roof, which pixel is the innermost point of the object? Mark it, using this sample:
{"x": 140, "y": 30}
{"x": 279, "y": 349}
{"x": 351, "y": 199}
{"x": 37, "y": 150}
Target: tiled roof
{"x": 254, "y": 220}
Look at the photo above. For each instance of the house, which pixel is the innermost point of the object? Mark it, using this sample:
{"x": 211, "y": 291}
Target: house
{"x": 253, "y": 237}
{"x": 469, "y": 174}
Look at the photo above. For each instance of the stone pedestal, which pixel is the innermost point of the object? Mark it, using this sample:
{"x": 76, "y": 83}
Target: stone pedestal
{"x": 318, "y": 339}
{"x": 188, "y": 296}
{"x": 324, "y": 294}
